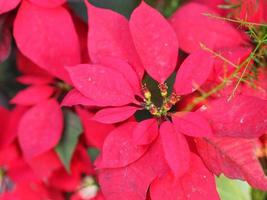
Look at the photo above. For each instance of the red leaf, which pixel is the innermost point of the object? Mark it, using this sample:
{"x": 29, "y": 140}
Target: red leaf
{"x": 192, "y": 124}
{"x": 95, "y": 132}
{"x": 74, "y": 97}
{"x": 193, "y": 72}
{"x": 145, "y": 132}
{"x": 243, "y": 116}
{"x": 34, "y": 80}
{"x": 119, "y": 149}
{"x": 4, "y": 119}
{"x": 102, "y": 84}
{"x": 40, "y": 128}
{"x": 193, "y": 27}
{"x": 32, "y": 95}
{"x": 234, "y": 157}
{"x": 27, "y": 67}
{"x": 125, "y": 69}
{"x": 6, "y": 6}
{"x": 109, "y": 35}
{"x": 158, "y": 53}
{"x": 44, "y": 164}
{"x": 48, "y": 3}
{"x": 132, "y": 181}
{"x": 114, "y": 115}
{"x": 176, "y": 149}
{"x": 47, "y": 37}
{"x": 198, "y": 183}
{"x": 8, "y": 136}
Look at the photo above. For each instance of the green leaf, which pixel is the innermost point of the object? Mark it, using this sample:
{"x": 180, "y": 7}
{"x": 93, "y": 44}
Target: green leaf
{"x": 258, "y": 194}
{"x": 93, "y": 153}
{"x": 230, "y": 189}
{"x": 121, "y": 6}
{"x": 72, "y": 131}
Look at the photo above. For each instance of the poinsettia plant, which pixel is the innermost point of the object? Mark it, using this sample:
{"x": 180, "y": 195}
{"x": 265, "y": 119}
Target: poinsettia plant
{"x": 138, "y": 100}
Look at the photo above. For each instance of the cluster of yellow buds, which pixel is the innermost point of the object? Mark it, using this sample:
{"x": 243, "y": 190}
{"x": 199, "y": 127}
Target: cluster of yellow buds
{"x": 167, "y": 101}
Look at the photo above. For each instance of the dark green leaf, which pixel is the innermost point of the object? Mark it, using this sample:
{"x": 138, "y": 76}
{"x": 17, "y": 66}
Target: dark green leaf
{"x": 258, "y": 195}
{"x": 72, "y": 130}
{"x": 93, "y": 153}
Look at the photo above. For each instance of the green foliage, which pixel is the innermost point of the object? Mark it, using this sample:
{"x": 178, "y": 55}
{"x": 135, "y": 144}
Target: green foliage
{"x": 258, "y": 195}
{"x": 72, "y": 130}
{"x": 120, "y": 6}
{"x": 230, "y": 189}
{"x": 166, "y": 7}
{"x": 93, "y": 153}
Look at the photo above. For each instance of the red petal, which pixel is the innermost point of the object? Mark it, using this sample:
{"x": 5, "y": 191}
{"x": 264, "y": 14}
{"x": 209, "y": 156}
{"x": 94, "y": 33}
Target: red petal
{"x": 11, "y": 132}
{"x": 48, "y": 39}
{"x": 145, "y": 132}
{"x": 243, "y": 116}
{"x": 103, "y": 85}
{"x": 193, "y": 27}
{"x": 33, "y": 95}
{"x": 27, "y": 67}
{"x": 34, "y": 80}
{"x": 158, "y": 53}
{"x": 4, "y": 119}
{"x": 114, "y": 115}
{"x": 40, "y": 128}
{"x": 176, "y": 149}
{"x": 193, "y": 72}
{"x": 234, "y": 54}
{"x": 6, "y": 6}
{"x": 44, "y": 164}
{"x": 234, "y": 157}
{"x": 95, "y": 132}
{"x": 74, "y": 97}
{"x": 109, "y": 35}
{"x": 198, "y": 183}
{"x": 118, "y": 149}
{"x": 48, "y": 3}
{"x": 192, "y": 124}
{"x": 125, "y": 69}
{"x": 132, "y": 182}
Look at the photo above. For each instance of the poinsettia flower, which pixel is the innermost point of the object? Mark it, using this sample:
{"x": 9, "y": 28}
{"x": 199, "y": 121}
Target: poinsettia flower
{"x": 130, "y": 142}
{"x": 124, "y": 84}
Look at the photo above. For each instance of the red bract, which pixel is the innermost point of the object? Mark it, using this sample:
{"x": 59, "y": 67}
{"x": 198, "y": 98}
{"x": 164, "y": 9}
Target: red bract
{"x": 123, "y": 85}
{"x": 242, "y": 116}
{"x": 95, "y": 132}
{"x": 52, "y": 43}
{"x": 48, "y": 3}
{"x": 158, "y": 53}
{"x": 110, "y": 36}
{"x": 186, "y": 187}
{"x": 33, "y": 95}
{"x": 193, "y": 27}
{"x": 234, "y": 157}
{"x": 6, "y": 6}
{"x": 40, "y": 128}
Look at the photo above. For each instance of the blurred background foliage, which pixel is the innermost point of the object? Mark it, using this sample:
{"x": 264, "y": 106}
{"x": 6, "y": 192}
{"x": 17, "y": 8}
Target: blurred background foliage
{"x": 227, "y": 188}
